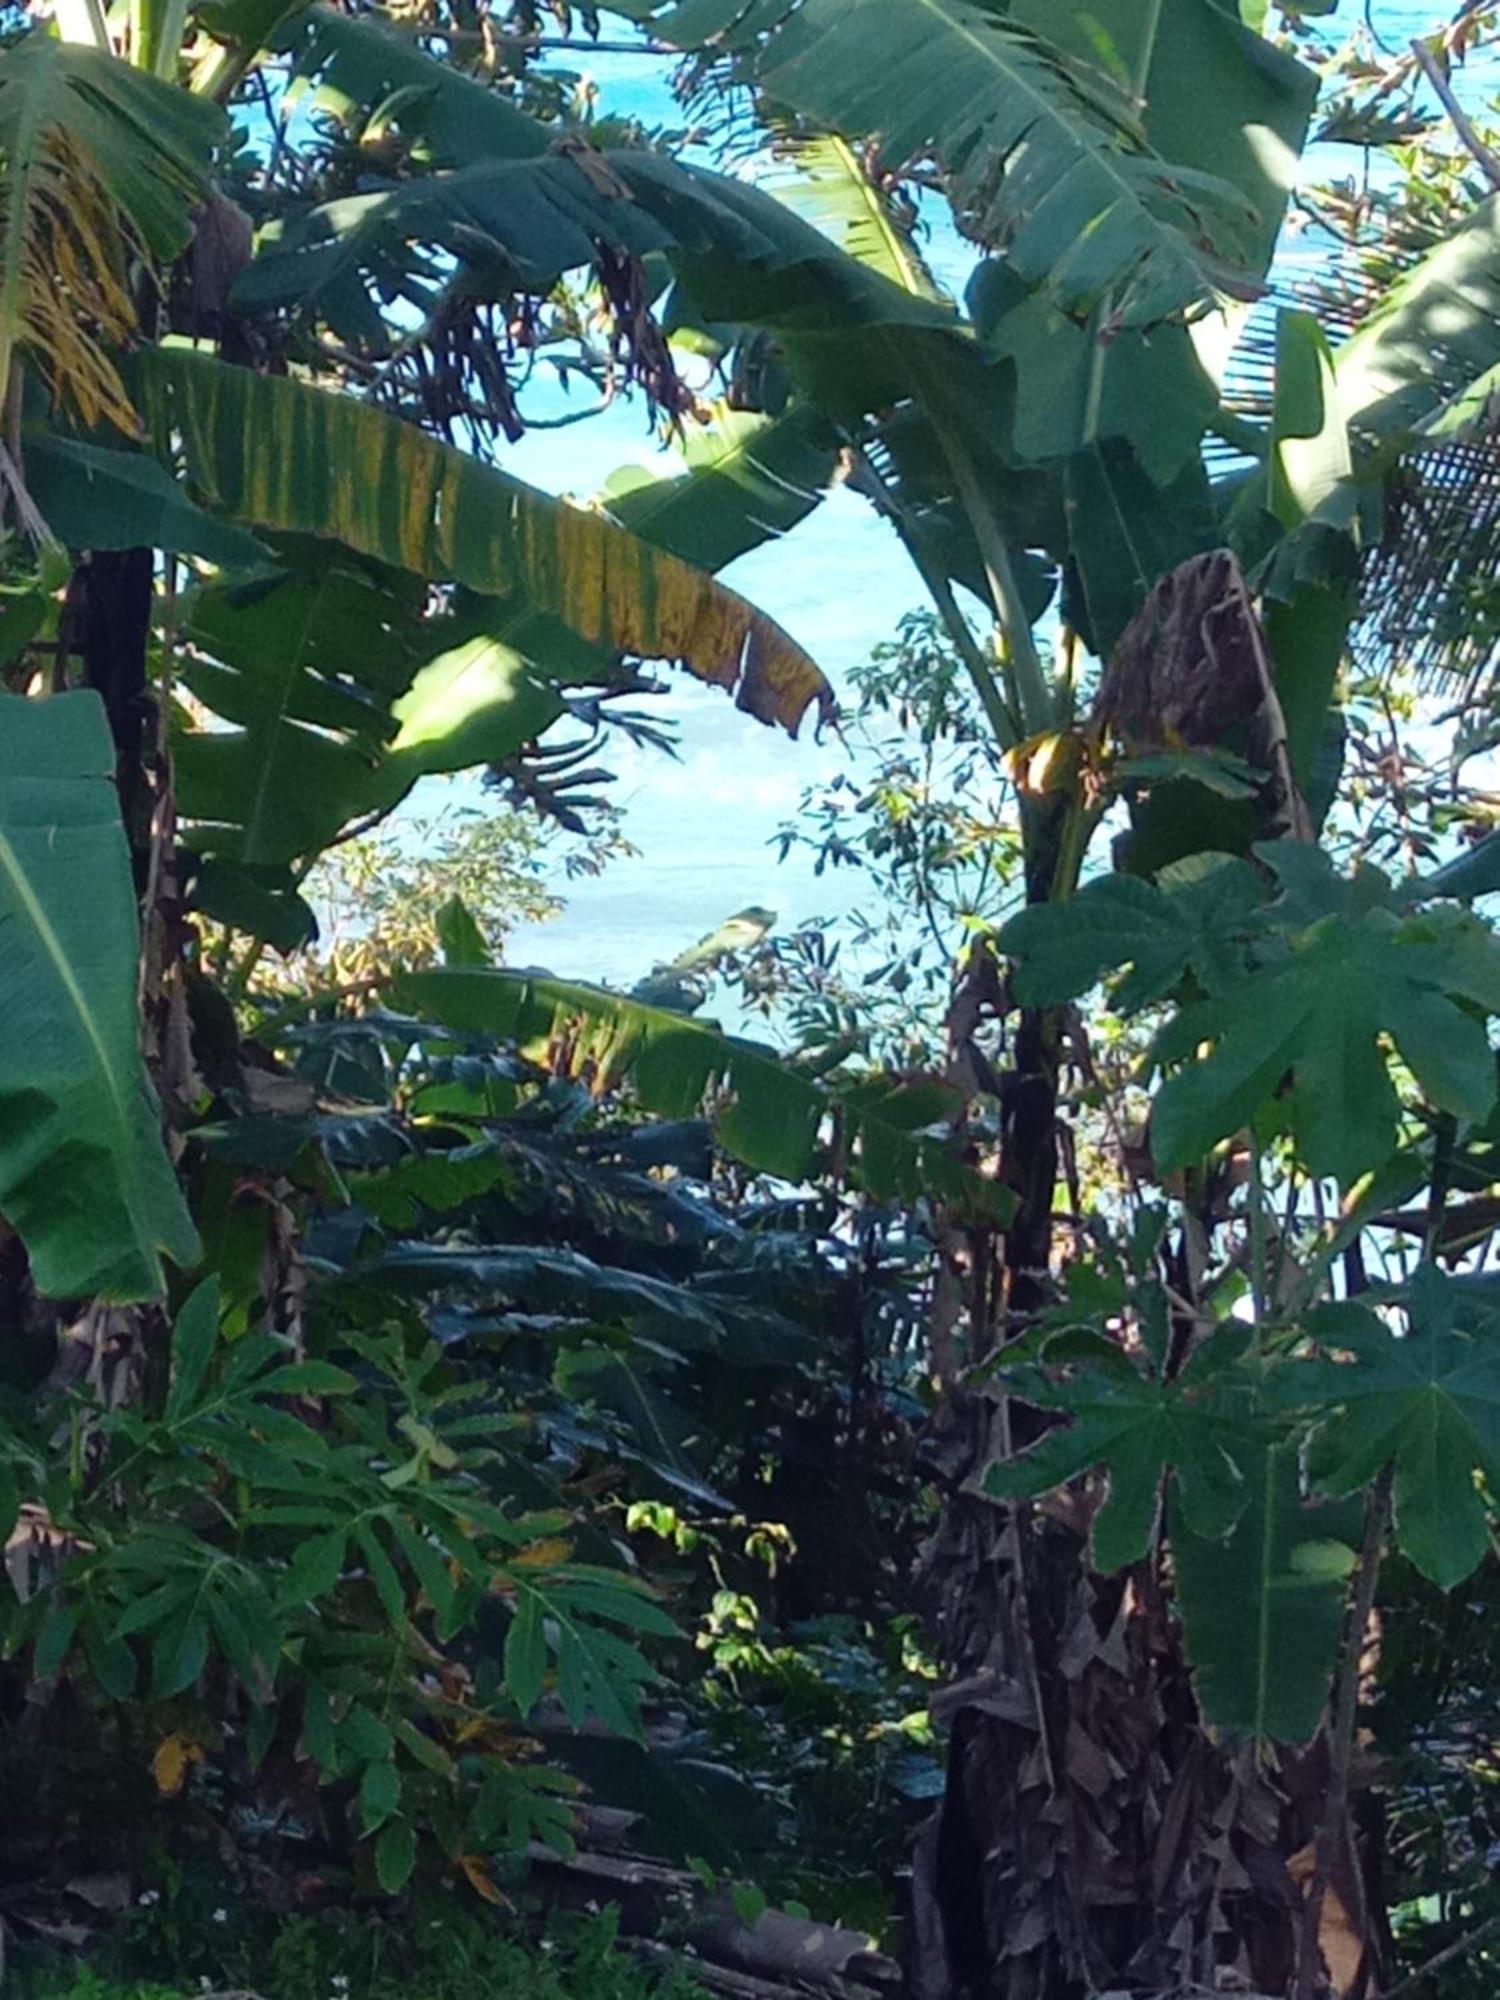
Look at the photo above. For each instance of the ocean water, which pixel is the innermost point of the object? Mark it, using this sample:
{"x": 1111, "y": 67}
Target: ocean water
{"x": 705, "y": 824}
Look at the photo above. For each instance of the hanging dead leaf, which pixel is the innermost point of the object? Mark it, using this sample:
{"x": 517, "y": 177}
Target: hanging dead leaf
{"x": 475, "y": 1871}
{"x": 1338, "y": 1937}
{"x": 175, "y": 1757}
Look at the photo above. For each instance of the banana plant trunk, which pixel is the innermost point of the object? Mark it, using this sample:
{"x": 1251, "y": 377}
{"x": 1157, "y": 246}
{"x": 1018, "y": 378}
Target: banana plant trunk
{"x": 1092, "y": 1838}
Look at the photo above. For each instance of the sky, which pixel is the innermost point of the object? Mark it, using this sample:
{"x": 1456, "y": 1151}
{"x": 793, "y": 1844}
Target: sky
{"x": 705, "y": 824}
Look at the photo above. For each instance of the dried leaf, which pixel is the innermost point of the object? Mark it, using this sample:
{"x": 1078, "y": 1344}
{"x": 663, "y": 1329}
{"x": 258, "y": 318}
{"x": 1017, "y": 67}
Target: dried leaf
{"x": 475, "y": 1872}
{"x": 545, "y": 1554}
{"x": 175, "y": 1757}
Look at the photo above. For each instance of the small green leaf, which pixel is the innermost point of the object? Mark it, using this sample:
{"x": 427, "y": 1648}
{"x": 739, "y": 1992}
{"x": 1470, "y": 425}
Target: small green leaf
{"x": 180, "y": 1652}
{"x": 749, "y": 1903}
{"x": 526, "y": 1653}
{"x": 193, "y": 1339}
{"x": 54, "y": 1638}
{"x": 382, "y": 1574}
{"x": 315, "y": 1568}
{"x": 112, "y": 1662}
{"x": 379, "y": 1793}
{"x": 10, "y": 1500}
{"x": 395, "y": 1857}
{"x": 459, "y": 935}
{"x": 307, "y": 1378}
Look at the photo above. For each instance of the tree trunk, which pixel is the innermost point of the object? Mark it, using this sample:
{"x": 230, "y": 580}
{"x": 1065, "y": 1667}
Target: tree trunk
{"x": 1092, "y": 1838}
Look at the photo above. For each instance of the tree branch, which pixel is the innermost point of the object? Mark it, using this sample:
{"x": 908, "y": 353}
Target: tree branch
{"x": 1489, "y": 165}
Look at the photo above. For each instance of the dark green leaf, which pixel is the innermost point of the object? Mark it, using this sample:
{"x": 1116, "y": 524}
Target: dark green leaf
{"x": 395, "y": 1857}
{"x": 1263, "y": 1610}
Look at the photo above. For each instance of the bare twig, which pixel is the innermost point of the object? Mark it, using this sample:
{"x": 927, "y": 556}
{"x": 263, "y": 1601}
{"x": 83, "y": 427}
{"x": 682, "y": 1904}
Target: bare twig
{"x": 1432, "y": 69}
{"x": 1460, "y": 1948}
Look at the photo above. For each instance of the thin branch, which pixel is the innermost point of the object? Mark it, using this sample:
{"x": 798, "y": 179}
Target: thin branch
{"x": 1460, "y": 1948}
{"x": 1489, "y": 165}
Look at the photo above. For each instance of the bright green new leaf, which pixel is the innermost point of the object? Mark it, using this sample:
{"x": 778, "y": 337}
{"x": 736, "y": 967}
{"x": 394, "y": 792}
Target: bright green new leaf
{"x": 1262, "y": 1611}
{"x": 1428, "y": 1404}
{"x": 1310, "y": 453}
{"x": 84, "y": 1176}
{"x": 459, "y": 936}
{"x": 1138, "y": 1429}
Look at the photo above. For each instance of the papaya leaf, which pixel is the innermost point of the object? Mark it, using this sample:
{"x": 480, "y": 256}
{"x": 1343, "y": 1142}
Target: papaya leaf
{"x": 1138, "y": 1429}
{"x": 1193, "y": 919}
{"x": 1320, "y": 1011}
{"x": 1428, "y": 1404}
{"x": 1262, "y": 1610}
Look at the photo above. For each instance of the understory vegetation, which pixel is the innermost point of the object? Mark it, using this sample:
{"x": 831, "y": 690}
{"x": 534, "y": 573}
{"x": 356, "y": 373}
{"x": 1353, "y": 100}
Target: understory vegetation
{"x": 952, "y": 1452}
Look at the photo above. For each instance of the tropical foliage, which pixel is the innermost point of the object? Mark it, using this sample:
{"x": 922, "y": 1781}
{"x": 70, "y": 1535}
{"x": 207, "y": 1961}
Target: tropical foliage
{"x": 402, "y": 1372}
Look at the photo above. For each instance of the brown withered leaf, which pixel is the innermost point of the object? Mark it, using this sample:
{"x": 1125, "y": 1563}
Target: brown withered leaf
{"x": 1193, "y": 671}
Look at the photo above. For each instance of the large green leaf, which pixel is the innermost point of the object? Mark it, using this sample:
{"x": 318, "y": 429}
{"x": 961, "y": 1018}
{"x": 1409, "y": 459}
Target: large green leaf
{"x": 507, "y": 225}
{"x": 1195, "y": 919}
{"x": 1428, "y": 1404}
{"x": 1042, "y": 153}
{"x": 1125, "y": 532}
{"x": 749, "y": 478}
{"x": 94, "y": 498}
{"x": 1430, "y": 347}
{"x": 97, "y": 157}
{"x": 1213, "y": 95}
{"x": 84, "y": 1175}
{"x": 1137, "y": 1427}
{"x": 356, "y": 67}
{"x": 339, "y": 696}
{"x": 1319, "y": 1008}
{"x": 765, "y": 1114}
{"x": 1076, "y": 389}
{"x": 279, "y": 454}
{"x": 1262, "y": 1611}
